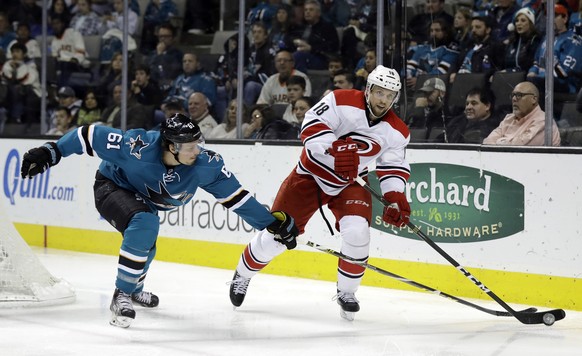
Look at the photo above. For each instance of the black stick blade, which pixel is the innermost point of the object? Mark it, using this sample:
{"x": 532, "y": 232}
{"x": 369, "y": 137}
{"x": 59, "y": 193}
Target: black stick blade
{"x": 543, "y": 317}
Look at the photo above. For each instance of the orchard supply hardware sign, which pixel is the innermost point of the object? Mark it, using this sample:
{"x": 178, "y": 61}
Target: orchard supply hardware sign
{"x": 452, "y": 203}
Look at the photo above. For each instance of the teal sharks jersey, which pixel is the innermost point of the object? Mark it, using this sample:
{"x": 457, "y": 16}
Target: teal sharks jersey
{"x": 133, "y": 160}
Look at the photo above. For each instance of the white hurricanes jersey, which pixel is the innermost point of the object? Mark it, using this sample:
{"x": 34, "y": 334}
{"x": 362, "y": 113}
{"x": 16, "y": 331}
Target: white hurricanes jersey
{"x": 342, "y": 114}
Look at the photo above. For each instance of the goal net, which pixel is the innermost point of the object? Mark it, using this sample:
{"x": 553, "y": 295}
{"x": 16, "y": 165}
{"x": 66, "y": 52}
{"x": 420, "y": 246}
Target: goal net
{"x": 24, "y": 281}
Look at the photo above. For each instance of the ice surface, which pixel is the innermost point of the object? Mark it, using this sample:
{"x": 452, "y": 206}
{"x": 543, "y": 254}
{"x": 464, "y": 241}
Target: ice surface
{"x": 280, "y": 316}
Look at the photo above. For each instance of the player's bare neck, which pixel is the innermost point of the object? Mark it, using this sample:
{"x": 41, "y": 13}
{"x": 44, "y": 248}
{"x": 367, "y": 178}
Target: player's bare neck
{"x": 169, "y": 160}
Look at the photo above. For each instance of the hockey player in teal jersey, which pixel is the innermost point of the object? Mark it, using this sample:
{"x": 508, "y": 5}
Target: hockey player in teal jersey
{"x": 146, "y": 171}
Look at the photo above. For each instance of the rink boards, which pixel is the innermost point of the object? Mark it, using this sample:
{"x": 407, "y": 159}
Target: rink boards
{"x": 510, "y": 218}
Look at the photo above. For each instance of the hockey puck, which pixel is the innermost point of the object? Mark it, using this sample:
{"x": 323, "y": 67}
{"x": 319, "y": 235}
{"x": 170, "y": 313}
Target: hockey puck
{"x": 549, "y": 319}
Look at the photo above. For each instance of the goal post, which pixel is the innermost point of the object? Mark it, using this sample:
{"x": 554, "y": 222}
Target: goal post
{"x": 24, "y": 281}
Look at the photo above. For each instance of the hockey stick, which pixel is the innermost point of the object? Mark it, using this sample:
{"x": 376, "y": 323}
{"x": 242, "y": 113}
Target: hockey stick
{"x": 409, "y": 281}
{"x": 545, "y": 317}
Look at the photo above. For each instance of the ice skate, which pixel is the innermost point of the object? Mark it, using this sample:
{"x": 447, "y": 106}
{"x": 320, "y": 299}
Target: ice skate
{"x": 348, "y": 304}
{"x": 122, "y": 313}
{"x": 146, "y": 299}
{"x": 238, "y": 289}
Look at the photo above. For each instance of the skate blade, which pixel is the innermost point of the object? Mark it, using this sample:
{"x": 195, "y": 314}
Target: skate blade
{"x": 349, "y": 316}
{"x": 120, "y": 321}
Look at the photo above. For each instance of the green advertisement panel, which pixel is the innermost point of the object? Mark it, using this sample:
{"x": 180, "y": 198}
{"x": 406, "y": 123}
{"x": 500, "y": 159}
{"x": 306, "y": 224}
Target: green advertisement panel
{"x": 453, "y": 203}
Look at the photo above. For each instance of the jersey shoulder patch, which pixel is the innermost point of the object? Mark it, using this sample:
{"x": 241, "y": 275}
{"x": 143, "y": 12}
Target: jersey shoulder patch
{"x": 210, "y": 158}
{"x": 351, "y": 97}
{"x": 393, "y": 120}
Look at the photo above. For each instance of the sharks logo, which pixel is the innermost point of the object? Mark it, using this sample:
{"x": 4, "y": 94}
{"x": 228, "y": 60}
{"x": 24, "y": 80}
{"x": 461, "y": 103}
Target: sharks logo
{"x": 212, "y": 155}
{"x": 164, "y": 200}
{"x": 135, "y": 146}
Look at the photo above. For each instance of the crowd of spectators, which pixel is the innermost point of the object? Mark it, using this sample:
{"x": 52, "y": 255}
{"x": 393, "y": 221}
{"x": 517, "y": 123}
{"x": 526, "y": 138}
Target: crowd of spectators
{"x": 288, "y": 45}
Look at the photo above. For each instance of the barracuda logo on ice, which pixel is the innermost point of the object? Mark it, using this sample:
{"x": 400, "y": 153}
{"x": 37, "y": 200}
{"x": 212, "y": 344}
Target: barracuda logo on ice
{"x": 452, "y": 203}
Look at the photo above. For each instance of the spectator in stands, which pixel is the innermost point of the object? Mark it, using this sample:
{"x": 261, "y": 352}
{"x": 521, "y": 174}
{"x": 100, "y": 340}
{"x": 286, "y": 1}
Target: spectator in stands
{"x": 263, "y": 12}
{"x": 343, "y": 80}
{"x": 23, "y": 37}
{"x": 275, "y": 89}
{"x": 23, "y": 85}
{"x": 283, "y": 29}
{"x": 193, "y": 79}
{"x": 145, "y": 90}
{"x": 68, "y": 47}
{"x": 334, "y": 65}
{"x": 138, "y": 115}
{"x": 156, "y": 13}
{"x": 6, "y": 35}
{"x": 319, "y": 38}
{"x": 111, "y": 76}
{"x": 504, "y": 15}
{"x": 261, "y": 63}
{"x": 523, "y": 42}
{"x": 462, "y": 27}
{"x": 101, "y": 7}
{"x": 357, "y": 36}
{"x": 112, "y": 29}
{"x": 525, "y": 126}
{"x": 60, "y": 9}
{"x": 476, "y": 122}
{"x": 336, "y": 12}
{"x": 486, "y": 55}
{"x": 66, "y": 97}
{"x": 279, "y": 129}
{"x": 567, "y": 46}
{"x": 173, "y": 106}
{"x": 438, "y": 57}
{"x": 64, "y": 122}
{"x": 364, "y": 67}
{"x": 90, "y": 111}
{"x": 227, "y": 129}
{"x": 199, "y": 111}
{"x": 226, "y": 74}
{"x": 27, "y": 11}
{"x": 86, "y": 21}
{"x": 300, "y": 107}
{"x": 295, "y": 90}
{"x": 419, "y": 25}
{"x": 115, "y": 19}
{"x": 166, "y": 60}
{"x": 429, "y": 110}
{"x": 261, "y": 115}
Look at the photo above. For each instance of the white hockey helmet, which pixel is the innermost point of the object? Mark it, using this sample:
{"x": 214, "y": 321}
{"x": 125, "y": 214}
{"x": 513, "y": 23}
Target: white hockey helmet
{"x": 386, "y": 78}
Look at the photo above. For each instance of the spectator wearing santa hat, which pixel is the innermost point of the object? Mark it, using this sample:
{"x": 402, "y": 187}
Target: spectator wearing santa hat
{"x": 523, "y": 42}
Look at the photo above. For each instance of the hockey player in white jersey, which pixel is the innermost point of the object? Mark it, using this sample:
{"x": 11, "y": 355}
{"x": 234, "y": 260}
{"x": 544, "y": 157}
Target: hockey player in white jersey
{"x": 342, "y": 134}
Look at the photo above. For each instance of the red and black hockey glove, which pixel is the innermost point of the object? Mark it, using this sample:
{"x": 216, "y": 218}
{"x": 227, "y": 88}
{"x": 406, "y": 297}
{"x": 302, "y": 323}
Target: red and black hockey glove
{"x": 398, "y": 212}
{"x": 346, "y": 157}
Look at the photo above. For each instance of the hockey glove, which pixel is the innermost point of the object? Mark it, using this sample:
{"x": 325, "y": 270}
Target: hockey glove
{"x": 398, "y": 212}
{"x": 346, "y": 157}
{"x": 39, "y": 159}
{"x": 284, "y": 229}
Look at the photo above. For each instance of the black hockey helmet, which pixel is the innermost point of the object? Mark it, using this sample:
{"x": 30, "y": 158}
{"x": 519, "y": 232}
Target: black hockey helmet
{"x": 178, "y": 128}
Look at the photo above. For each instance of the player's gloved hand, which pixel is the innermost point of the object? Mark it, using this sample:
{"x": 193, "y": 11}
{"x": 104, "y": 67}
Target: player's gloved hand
{"x": 398, "y": 212}
{"x": 346, "y": 157}
{"x": 38, "y": 160}
{"x": 284, "y": 229}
